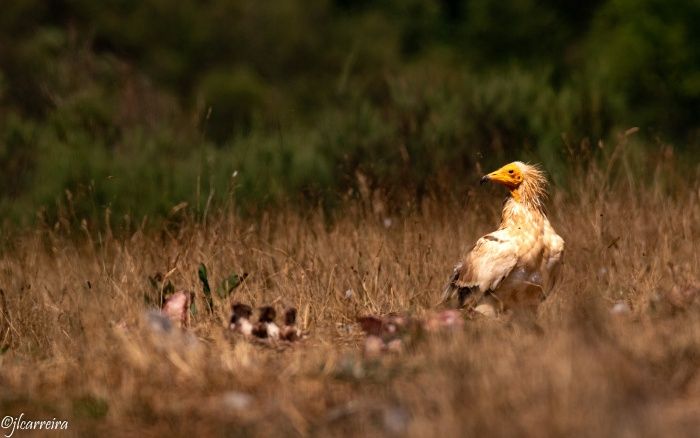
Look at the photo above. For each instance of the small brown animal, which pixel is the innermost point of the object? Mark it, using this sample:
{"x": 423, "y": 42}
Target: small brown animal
{"x": 289, "y": 331}
{"x": 240, "y": 319}
{"x": 266, "y": 327}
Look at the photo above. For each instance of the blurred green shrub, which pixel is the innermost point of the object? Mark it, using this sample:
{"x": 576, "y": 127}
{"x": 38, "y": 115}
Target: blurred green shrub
{"x": 644, "y": 53}
{"x": 134, "y": 107}
{"x": 234, "y": 102}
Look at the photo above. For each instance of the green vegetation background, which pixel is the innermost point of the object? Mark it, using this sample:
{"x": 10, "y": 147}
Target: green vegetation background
{"x": 133, "y": 107}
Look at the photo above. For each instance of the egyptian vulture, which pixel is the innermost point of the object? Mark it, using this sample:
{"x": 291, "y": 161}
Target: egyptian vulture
{"x": 515, "y": 266}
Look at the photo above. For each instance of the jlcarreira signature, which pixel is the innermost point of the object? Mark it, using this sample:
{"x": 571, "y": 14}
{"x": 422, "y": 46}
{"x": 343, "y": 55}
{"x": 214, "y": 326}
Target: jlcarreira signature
{"x": 10, "y": 424}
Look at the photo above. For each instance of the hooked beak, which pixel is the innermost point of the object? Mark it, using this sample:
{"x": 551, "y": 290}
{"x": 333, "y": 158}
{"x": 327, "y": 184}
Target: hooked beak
{"x": 484, "y": 179}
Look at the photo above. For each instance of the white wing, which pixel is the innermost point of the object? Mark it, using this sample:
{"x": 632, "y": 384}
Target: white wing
{"x": 491, "y": 259}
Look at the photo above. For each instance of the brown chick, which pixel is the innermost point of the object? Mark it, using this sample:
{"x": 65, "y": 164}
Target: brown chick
{"x": 289, "y": 331}
{"x": 266, "y": 327}
{"x": 240, "y": 319}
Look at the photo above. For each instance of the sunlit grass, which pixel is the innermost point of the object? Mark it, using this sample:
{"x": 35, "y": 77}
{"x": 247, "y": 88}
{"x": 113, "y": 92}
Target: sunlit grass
{"x": 76, "y": 344}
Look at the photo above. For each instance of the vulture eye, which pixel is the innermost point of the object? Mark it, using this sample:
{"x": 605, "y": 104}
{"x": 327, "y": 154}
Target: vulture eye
{"x": 510, "y": 171}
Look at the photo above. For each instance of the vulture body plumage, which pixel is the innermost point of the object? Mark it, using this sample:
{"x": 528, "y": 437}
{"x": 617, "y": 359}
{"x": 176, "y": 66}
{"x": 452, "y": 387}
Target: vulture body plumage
{"x": 516, "y": 265}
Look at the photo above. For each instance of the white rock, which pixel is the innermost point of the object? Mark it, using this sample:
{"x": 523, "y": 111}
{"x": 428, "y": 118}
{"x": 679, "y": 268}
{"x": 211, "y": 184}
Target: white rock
{"x": 236, "y": 400}
{"x": 620, "y": 308}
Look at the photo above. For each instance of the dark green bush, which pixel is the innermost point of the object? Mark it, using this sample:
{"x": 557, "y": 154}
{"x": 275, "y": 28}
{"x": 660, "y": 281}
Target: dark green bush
{"x": 135, "y": 107}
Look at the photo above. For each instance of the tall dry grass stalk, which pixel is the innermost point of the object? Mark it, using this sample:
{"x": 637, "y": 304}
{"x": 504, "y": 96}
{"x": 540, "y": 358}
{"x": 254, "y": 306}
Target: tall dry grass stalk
{"x": 77, "y": 345}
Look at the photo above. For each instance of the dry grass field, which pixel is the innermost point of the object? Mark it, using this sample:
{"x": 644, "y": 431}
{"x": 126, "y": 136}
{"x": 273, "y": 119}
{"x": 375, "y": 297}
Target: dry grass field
{"x": 76, "y": 344}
